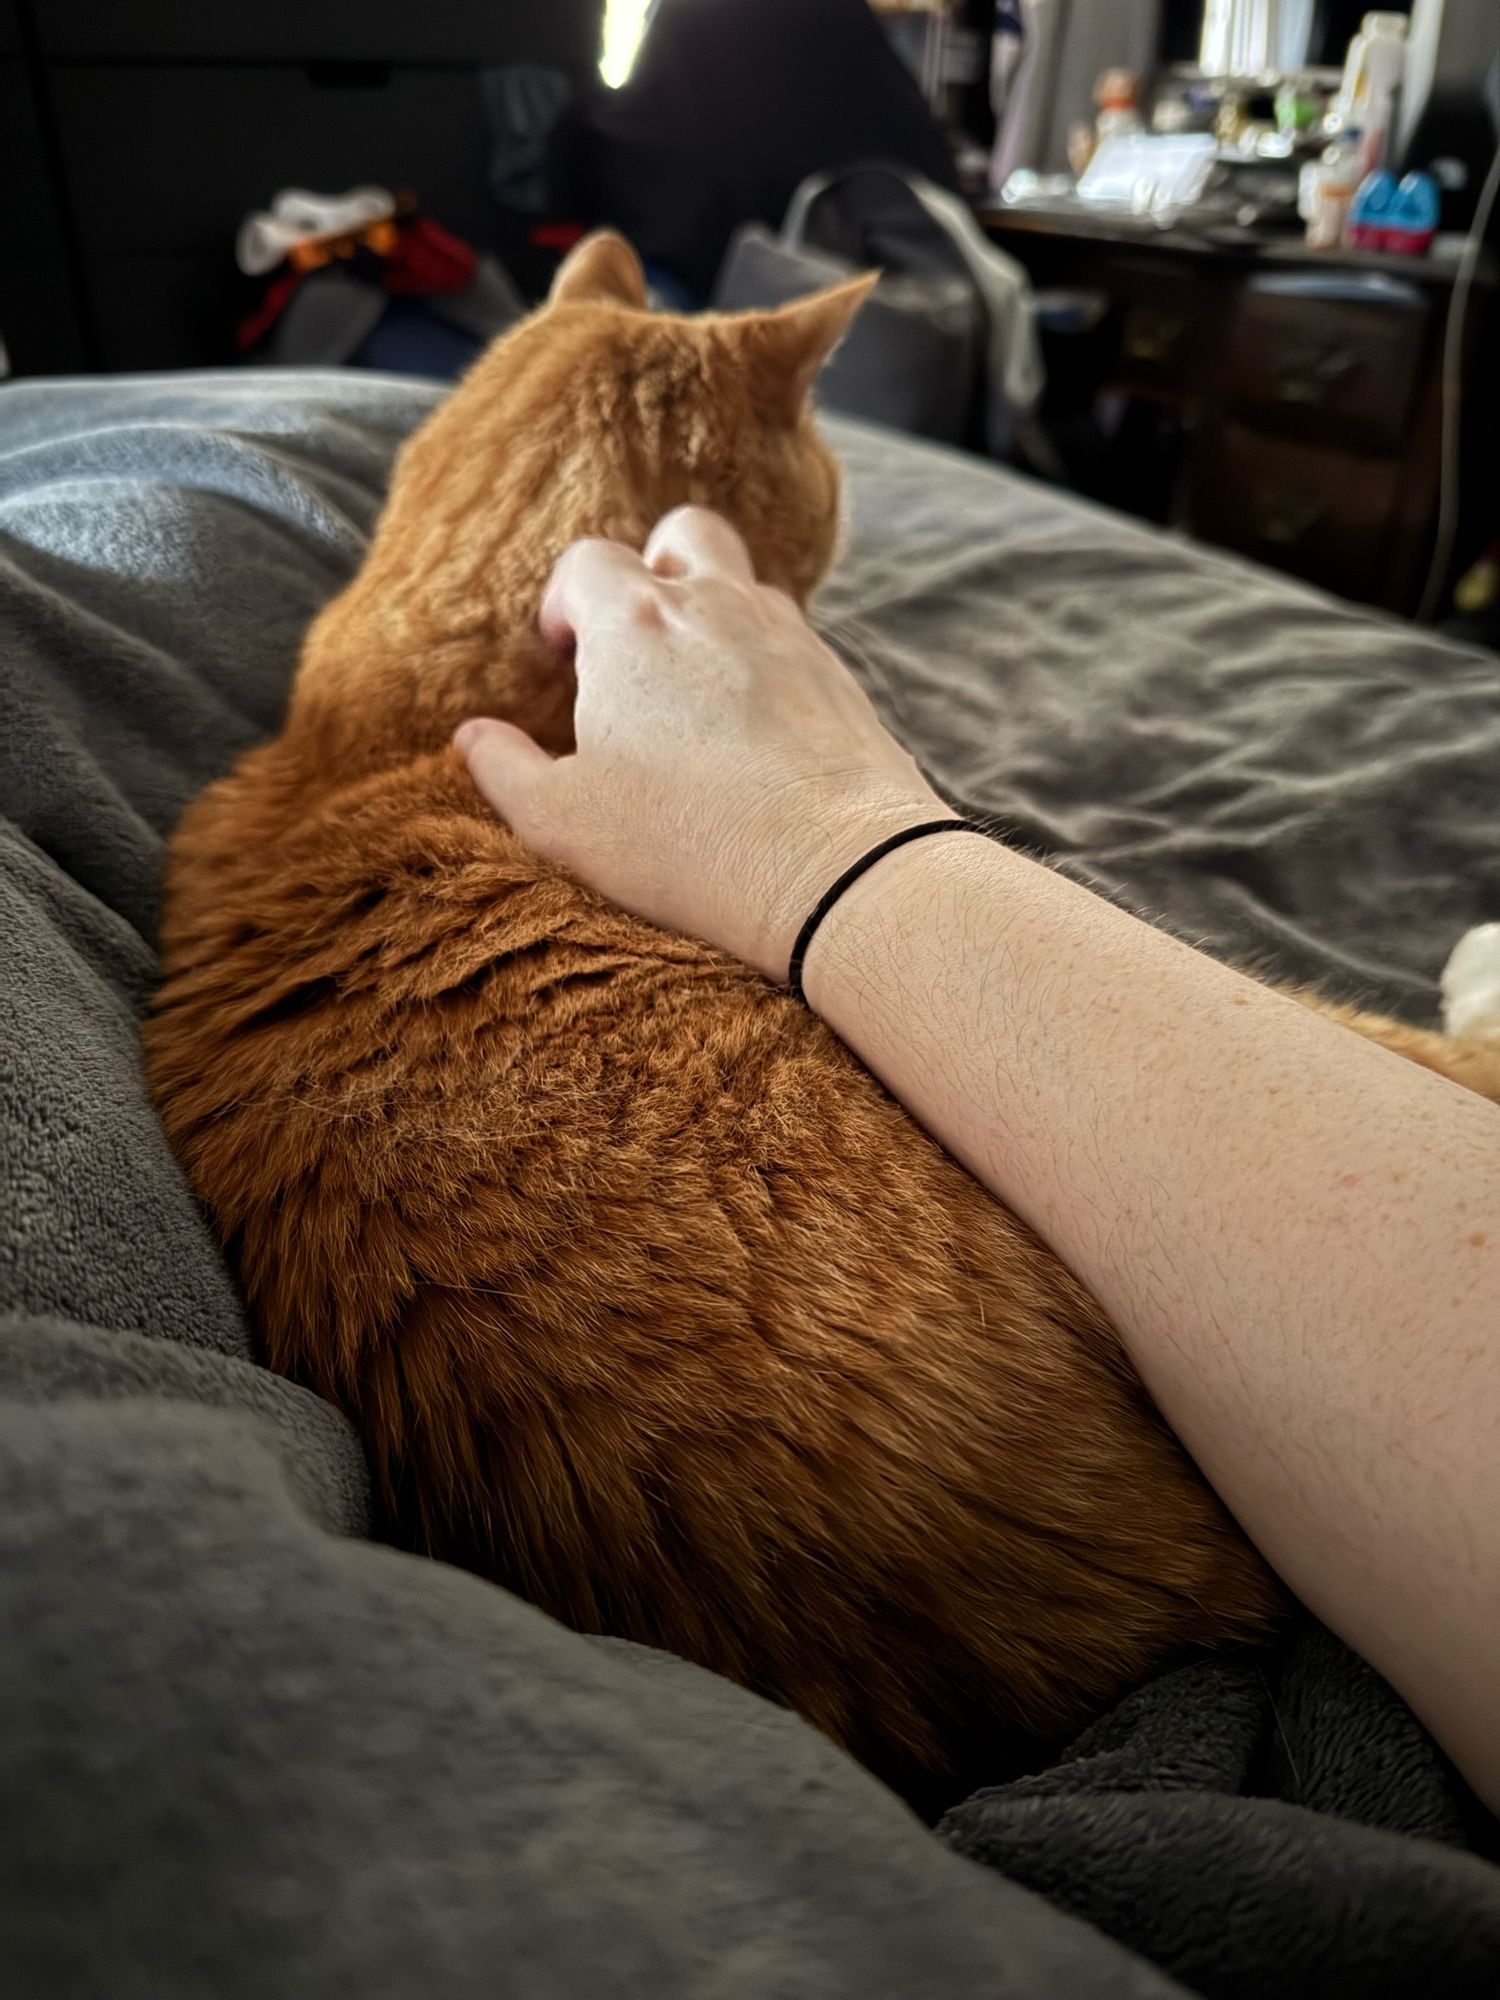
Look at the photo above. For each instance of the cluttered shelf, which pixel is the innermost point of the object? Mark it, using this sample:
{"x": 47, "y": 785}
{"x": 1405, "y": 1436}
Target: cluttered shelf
{"x": 1065, "y": 216}
{"x": 1276, "y": 400}
{"x": 1275, "y": 308}
{"x": 1303, "y": 400}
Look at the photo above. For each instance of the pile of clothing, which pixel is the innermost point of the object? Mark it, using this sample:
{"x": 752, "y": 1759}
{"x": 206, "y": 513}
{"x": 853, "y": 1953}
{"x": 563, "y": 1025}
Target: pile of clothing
{"x": 364, "y": 279}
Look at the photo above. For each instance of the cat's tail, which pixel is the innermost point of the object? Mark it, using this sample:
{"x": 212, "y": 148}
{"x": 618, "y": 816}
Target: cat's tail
{"x": 1471, "y": 985}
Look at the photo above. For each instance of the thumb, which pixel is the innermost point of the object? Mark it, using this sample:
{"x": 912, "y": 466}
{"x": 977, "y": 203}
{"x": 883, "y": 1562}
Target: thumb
{"x": 509, "y": 770}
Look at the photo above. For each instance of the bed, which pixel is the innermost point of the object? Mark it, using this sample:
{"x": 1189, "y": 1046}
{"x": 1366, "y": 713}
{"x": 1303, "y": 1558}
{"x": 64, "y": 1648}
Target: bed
{"x": 245, "y": 1748}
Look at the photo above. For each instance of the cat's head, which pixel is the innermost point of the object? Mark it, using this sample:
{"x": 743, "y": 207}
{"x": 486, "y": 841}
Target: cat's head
{"x": 607, "y": 414}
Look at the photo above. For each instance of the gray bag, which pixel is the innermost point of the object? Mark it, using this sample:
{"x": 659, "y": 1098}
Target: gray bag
{"x": 945, "y": 346}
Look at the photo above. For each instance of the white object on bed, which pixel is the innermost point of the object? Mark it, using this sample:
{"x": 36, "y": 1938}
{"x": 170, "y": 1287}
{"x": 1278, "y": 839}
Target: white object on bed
{"x": 1471, "y": 984}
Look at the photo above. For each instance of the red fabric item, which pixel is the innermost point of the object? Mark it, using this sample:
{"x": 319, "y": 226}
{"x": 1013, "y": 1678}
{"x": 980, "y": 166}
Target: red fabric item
{"x": 421, "y": 261}
{"x": 426, "y": 260}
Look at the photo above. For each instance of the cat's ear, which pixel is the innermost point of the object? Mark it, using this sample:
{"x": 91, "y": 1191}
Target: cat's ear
{"x": 602, "y": 266}
{"x": 784, "y": 350}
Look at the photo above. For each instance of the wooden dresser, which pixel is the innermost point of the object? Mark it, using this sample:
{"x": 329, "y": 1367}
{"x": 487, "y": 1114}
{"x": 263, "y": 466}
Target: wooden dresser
{"x": 1307, "y": 387}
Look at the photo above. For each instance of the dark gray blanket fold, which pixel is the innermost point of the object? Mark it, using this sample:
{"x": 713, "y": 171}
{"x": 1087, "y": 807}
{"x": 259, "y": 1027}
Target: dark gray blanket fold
{"x": 243, "y": 1750}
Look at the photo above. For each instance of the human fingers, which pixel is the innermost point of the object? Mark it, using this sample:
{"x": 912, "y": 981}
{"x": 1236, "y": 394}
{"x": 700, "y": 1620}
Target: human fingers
{"x": 592, "y": 581}
{"x": 515, "y": 775}
{"x": 696, "y": 542}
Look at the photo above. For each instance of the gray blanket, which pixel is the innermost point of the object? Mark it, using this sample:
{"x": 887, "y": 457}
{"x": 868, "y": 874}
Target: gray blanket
{"x": 245, "y": 1750}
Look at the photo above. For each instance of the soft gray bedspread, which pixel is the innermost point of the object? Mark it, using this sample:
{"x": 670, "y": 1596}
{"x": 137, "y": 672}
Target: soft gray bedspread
{"x": 1281, "y": 777}
{"x": 245, "y": 1751}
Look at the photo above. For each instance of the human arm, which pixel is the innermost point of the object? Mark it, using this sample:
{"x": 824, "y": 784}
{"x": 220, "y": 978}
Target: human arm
{"x": 1296, "y": 1234}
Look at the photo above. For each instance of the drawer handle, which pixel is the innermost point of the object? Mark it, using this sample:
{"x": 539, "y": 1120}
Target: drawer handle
{"x": 1284, "y": 516}
{"x": 1308, "y": 378}
{"x": 1152, "y": 336}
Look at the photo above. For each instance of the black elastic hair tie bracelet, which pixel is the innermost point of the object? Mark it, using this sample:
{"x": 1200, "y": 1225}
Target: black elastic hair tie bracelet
{"x": 851, "y": 875}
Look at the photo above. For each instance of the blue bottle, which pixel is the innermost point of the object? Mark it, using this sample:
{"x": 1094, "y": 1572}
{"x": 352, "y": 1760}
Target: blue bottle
{"x": 1370, "y": 212}
{"x": 1414, "y": 216}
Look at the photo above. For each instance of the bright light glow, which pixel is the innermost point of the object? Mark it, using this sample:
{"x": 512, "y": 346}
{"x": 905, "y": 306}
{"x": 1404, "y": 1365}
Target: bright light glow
{"x": 624, "y": 24}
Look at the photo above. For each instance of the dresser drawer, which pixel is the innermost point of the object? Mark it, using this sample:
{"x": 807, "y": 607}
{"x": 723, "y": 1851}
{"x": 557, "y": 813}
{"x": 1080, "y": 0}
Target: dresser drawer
{"x": 1159, "y": 309}
{"x": 1328, "y": 361}
{"x": 462, "y": 32}
{"x": 1318, "y": 513}
{"x": 168, "y": 161}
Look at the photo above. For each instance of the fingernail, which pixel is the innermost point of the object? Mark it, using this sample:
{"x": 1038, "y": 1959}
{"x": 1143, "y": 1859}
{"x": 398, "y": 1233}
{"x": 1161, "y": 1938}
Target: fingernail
{"x": 467, "y": 735}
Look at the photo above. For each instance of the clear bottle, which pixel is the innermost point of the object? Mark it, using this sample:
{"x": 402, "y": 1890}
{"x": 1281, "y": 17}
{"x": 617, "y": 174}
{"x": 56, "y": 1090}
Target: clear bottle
{"x": 1328, "y": 187}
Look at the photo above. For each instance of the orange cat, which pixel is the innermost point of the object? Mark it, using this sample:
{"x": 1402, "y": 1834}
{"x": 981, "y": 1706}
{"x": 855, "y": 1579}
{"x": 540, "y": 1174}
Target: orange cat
{"x": 648, "y": 1300}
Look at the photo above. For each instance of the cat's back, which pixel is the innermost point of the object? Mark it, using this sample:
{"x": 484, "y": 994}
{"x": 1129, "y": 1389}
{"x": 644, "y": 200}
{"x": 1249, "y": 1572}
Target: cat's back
{"x": 383, "y": 996}
{"x": 646, "y": 1296}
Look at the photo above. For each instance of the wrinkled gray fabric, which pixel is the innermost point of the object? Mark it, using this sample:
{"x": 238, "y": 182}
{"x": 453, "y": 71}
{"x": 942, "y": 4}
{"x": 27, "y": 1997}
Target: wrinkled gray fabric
{"x": 1281, "y": 777}
{"x": 242, "y": 1749}
{"x": 1273, "y": 1825}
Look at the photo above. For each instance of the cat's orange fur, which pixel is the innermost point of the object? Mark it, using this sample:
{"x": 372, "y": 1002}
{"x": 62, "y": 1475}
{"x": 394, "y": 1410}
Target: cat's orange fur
{"x": 648, "y": 1300}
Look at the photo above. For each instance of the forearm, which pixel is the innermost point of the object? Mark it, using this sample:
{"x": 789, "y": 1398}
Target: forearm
{"x": 1296, "y": 1233}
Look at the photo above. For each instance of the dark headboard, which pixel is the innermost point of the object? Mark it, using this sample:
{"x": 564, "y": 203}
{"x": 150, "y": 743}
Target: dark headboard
{"x": 135, "y": 137}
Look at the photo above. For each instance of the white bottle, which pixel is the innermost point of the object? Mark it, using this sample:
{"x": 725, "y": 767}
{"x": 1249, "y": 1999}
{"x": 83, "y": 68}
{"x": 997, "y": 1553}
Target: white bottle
{"x": 1373, "y": 76}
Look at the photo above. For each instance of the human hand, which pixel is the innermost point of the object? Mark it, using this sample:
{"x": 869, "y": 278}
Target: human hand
{"x": 728, "y": 768}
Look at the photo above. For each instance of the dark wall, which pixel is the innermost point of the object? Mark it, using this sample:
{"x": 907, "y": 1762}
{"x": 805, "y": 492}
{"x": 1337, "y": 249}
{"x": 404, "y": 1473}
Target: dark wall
{"x": 136, "y": 134}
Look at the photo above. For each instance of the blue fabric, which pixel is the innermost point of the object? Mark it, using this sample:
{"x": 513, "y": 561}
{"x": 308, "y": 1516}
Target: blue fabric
{"x": 410, "y": 340}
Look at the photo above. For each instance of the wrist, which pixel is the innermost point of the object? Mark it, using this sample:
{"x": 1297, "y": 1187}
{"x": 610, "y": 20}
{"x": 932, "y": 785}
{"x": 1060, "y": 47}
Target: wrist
{"x": 906, "y": 920}
{"x": 834, "y": 831}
